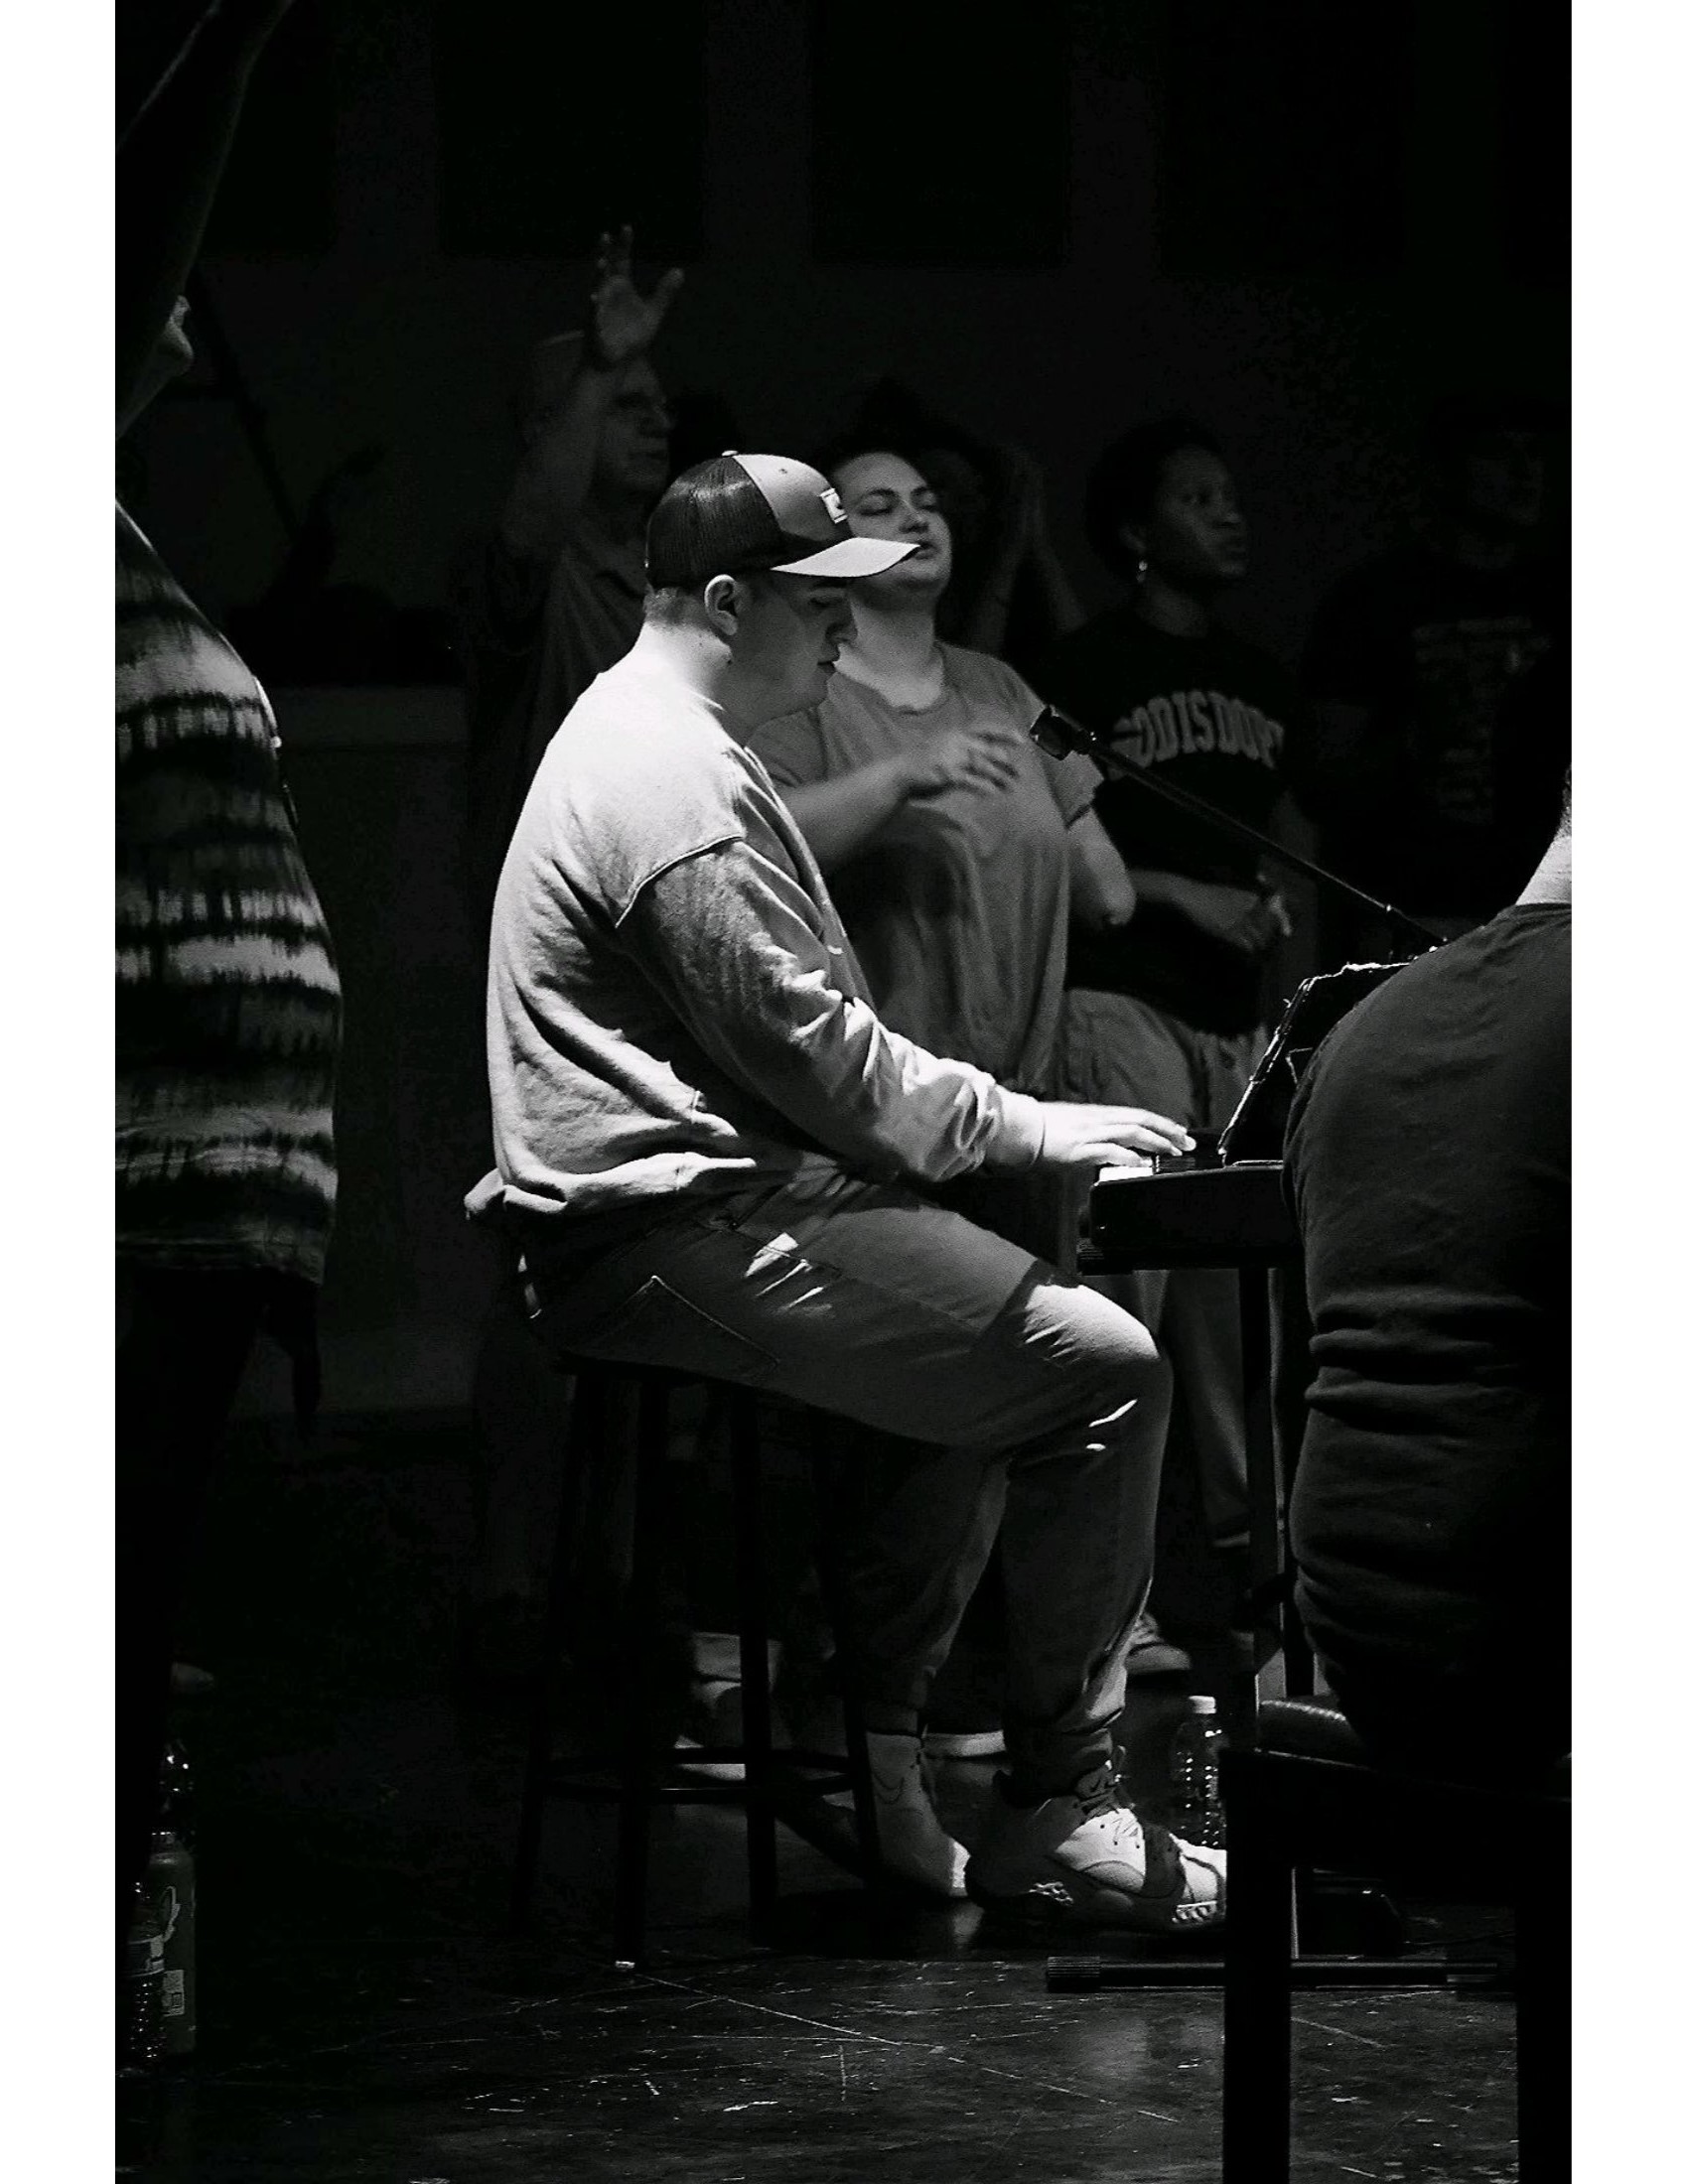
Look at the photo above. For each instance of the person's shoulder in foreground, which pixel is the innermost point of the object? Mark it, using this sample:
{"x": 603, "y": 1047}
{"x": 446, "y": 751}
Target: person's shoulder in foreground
{"x": 1467, "y": 1046}
{"x": 1508, "y": 941}
{"x": 1427, "y": 1153}
{"x": 1463, "y": 1055}
{"x": 1521, "y": 958}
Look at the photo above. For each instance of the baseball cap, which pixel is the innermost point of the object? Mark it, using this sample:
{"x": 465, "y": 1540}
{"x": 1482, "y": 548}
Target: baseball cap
{"x": 737, "y": 515}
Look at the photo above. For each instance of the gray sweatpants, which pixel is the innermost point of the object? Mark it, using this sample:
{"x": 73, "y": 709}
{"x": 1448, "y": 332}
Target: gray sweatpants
{"x": 1040, "y": 1408}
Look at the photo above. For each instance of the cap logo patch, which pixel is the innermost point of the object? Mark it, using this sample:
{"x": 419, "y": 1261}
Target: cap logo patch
{"x": 830, "y": 501}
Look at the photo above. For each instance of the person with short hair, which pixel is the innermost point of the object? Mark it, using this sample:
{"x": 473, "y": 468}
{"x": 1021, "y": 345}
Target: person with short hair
{"x": 1428, "y": 1159}
{"x": 1170, "y": 1007}
{"x": 708, "y": 1151}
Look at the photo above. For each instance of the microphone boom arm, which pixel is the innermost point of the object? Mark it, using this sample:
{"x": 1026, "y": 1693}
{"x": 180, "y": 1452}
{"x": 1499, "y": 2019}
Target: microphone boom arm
{"x": 1058, "y": 732}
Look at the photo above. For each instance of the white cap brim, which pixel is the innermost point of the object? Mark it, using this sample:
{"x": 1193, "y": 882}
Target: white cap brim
{"x": 847, "y": 557}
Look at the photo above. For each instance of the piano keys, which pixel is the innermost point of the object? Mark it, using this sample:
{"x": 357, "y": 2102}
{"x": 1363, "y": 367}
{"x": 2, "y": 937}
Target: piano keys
{"x": 1224, "y": 1205}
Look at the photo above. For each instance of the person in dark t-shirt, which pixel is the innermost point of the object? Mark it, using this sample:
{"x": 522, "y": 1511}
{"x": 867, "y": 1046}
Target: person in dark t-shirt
{"x": 1430, "y": 773}
{"x": 1175, "y": 996}
{"x": 1428, "y": 1161}
{"x": 1181, "y": 696}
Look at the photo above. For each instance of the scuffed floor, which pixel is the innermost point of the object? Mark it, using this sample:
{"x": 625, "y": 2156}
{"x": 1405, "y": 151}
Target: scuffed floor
{"x": 366, "y": 2015}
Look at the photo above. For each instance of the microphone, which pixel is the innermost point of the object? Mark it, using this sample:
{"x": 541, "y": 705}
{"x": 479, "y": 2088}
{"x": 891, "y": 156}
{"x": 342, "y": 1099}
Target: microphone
{"x": 1058, "y": 732}
{"x": 1061, "y": 735}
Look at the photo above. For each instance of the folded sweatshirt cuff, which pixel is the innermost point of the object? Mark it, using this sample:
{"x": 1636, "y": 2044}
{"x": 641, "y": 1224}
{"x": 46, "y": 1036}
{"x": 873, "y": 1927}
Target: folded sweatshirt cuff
{"x": 1017, "y": 1140}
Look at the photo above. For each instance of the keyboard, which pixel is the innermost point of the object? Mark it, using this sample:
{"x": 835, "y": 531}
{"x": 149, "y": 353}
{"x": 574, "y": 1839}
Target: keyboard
{"x": 1193, "y": 1211}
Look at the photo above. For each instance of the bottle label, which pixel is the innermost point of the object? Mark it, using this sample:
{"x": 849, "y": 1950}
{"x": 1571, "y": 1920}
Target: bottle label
{"x": 176, "y": 1994}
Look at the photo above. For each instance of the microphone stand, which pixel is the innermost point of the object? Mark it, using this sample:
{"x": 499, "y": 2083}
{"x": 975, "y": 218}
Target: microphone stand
{"x": 1058, "y": 733}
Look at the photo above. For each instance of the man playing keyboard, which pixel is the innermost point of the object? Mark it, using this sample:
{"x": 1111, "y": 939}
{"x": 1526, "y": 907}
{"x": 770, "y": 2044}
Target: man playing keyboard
{"x": 709, "y": 1151}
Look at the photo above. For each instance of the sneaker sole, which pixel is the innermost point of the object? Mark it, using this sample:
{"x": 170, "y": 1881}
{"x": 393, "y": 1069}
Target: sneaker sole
{"x": 967, "y": 1744}
{"x": 1074, "y": 1901}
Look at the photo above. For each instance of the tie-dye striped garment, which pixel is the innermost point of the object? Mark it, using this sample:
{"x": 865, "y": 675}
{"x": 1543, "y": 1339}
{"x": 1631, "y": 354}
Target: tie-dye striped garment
{"x": 227, "y": 994}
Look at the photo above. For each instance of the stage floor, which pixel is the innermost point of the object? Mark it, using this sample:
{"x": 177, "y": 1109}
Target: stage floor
{"x": 366, "y": 2016}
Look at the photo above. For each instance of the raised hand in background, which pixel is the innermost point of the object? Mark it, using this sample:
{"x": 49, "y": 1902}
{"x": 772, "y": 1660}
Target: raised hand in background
{"x": 623, "y": 324}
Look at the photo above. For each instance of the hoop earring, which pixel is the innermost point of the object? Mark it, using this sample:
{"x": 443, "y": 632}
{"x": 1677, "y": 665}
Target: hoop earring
{"x": 1142, "y": 566}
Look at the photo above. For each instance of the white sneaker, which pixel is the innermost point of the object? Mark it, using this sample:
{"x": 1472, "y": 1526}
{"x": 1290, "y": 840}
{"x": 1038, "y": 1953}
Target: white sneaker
{"x": 911, "y": 1841}
{"x": 1086, "y": 1855}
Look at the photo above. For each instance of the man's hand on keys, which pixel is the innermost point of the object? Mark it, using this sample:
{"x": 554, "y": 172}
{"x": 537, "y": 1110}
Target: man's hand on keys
{"x": 1081, "y": 1136}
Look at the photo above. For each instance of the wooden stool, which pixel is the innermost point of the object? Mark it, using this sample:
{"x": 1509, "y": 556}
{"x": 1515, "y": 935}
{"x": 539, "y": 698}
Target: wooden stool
{"x": 638, "y": 1777}
{"x": 1306, "y": 1793}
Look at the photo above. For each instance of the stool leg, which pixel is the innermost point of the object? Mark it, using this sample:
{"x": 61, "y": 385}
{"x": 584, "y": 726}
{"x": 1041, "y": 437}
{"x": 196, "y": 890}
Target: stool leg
{"x": 1544, "y": 2019}
{"x": 1259, "y": 1905}
{"x": 639, "y": 1764}
{"x": 755, "y": 1697}
{"x": 835, "y": 1600}
{"x": 584, "y": 1433}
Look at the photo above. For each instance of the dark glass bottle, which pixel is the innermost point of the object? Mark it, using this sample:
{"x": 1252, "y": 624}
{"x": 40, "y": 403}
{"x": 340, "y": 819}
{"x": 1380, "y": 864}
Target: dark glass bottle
{"x": 169, "y": 1886}
{"x": 140, "y": 2026}
{"x": 170, "y": 1889}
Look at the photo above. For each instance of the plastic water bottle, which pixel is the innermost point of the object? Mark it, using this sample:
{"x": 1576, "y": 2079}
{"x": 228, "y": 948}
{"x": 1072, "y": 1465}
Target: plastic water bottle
{"x": 1197, "y": 1815}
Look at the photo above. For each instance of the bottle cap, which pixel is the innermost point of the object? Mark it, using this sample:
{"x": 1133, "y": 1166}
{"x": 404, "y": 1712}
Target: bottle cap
{"x": 1201, "y": 1703}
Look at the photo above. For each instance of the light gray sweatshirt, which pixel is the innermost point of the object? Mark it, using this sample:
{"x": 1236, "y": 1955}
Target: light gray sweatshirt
{"x": 672, "y": 1005}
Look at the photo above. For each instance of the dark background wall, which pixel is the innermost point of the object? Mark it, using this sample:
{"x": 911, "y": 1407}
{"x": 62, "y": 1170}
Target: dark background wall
{"x": 1297, "y": 222}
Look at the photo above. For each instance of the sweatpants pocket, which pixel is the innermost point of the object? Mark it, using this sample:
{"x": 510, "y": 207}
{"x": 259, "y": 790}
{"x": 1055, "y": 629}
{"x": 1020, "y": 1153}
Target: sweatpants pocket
{"x": 656, "y": 1326}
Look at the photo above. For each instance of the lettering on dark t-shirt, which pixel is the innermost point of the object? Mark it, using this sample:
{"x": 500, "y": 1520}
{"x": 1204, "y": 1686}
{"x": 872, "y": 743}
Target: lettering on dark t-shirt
{"x": 1216, "y": 716}
{"x": 1185, "y": 723}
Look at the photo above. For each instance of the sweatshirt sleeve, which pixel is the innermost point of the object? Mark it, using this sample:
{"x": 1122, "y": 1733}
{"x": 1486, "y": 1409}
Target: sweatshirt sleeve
{"x": 730, "y": 939}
